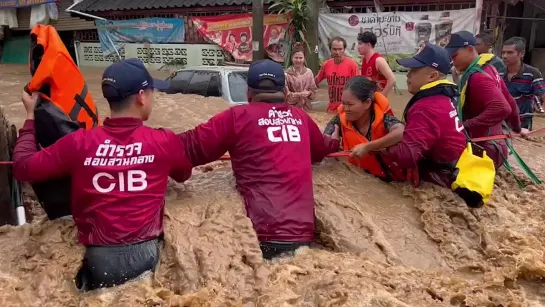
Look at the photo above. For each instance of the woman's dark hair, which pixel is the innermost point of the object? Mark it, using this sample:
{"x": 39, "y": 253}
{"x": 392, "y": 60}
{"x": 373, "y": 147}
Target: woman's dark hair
{"x": 361, "y": 87}
{"x": 297, "y": 47}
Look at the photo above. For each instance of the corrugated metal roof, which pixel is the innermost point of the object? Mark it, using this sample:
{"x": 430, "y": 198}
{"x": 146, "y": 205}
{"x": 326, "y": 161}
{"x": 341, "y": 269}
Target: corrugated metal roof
{"x": 120, "y": 5}
{"x": 65, "y": 21}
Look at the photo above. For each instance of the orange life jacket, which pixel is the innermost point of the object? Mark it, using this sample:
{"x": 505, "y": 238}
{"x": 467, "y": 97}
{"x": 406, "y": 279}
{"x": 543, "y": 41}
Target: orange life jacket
{"x": 63, "y": 107}
{"x": 376, "y": 164}
{"x": 58, "y": 79}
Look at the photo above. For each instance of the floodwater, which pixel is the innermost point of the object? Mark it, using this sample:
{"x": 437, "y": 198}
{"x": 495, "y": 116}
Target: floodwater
{"x": 378, "y": 244}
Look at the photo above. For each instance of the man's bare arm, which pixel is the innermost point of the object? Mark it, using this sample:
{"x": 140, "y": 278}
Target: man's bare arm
{"x": 383, "y": 67}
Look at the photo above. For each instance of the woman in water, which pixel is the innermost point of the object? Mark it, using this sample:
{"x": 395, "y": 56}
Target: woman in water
{"x": 368, "y": 125}
{"x": 300, "y": 86}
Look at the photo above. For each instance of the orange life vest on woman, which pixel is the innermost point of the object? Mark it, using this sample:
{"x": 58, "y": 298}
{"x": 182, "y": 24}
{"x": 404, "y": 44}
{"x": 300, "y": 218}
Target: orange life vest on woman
{"x": 376, "y": 164}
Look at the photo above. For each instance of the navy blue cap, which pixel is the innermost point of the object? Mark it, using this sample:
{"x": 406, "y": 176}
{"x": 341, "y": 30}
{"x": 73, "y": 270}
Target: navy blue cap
{"x": 459, "y": 40}
{"x": 127, "y": 77}
{"x": 266, "y": 70}
{"x": 428, "y": 56}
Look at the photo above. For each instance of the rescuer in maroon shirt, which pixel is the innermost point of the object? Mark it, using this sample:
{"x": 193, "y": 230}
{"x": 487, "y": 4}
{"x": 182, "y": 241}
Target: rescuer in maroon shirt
{"x": 272, "y": 146}
{"x": 119, "y": 177}
{"x": 488, "y": 103}
{"x": 434, "y": 137}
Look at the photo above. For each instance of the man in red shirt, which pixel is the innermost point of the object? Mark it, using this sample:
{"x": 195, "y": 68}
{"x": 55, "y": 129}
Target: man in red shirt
{"x": 119, "y": 176}
{"x": 434, "y": 138}
{"x": 272, "y": 146}
{"x": 487, "y": 102}
{"x": 337, "y": 71}
{"x": 373, "y": 65}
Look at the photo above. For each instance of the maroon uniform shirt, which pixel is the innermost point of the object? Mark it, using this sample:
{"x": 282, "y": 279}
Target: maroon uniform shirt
{"x": 272, "y": 147}
{"x": 488, "y": 105}
{"x": 433, "y": 133}
{"x": 119, "y": 176}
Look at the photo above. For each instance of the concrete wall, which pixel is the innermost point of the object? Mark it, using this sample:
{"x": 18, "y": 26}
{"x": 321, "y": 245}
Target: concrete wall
{"x": 154, "y": 55}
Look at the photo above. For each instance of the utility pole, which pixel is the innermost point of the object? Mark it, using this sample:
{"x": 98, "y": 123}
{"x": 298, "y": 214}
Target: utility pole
{"x": 257, "y": 30}
{"x": 313, "y": 61}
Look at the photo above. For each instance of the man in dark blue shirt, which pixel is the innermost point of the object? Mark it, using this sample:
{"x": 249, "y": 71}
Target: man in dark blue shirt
{"x": 525, "y": 82}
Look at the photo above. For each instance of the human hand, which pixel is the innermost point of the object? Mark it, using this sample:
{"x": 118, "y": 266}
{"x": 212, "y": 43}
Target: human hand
{"x": 360, "y": 150}
{"x": 29, "y": 102}
{"x": 525, "y": 133}
{"x": 335, "y": 134}
{"x": 305, "y": 93}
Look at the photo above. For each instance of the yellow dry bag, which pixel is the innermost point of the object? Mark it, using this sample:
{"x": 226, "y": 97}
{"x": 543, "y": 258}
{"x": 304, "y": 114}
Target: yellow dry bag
{"x": 475, "y": 174}
{"x": 475, "y": 171}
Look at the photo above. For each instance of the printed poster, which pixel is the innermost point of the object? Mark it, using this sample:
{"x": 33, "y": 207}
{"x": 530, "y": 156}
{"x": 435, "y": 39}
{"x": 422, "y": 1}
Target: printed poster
{"x": 114, "y": 34}
{"x": 234, "y": 34}
{"x": 399, "y": 34}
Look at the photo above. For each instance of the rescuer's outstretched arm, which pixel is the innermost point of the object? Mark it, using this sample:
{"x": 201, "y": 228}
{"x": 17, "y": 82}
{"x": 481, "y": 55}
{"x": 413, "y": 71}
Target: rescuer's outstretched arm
{"x": 181, "y": 166}
{"x": 31, "y": 165}
{"x": 321, "y": 144}
{"x": 209, "y": 141}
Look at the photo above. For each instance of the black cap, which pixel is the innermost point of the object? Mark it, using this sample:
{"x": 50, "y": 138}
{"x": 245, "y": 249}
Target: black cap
{"x": 460, "y": 40}
{"x": 127, "y": 77}
{"x": 428, "y": 56}
{"x": 266, "y": 70}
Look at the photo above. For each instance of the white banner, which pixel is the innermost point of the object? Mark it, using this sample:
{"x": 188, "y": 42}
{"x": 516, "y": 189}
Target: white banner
{"x": 401, "y": 32}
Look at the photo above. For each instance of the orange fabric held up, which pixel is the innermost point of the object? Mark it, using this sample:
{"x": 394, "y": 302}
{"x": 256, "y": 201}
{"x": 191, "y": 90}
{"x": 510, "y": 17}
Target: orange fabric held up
{"x": 57, "y": 71}
{"x": 371, "y": 163}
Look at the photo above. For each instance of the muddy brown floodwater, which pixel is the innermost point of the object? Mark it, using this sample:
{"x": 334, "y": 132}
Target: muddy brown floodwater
{"x": 380, "y": 245}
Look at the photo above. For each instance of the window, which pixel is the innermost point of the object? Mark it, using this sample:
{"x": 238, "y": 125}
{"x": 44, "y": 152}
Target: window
{"x": 238, "y": 86}
{"x": 180, "y": 81}
{"x": 205, "y": 83}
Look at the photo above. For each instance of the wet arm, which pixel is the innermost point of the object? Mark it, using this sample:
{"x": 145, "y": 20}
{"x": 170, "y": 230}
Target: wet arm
{"x": 395, "y": 134}
{"x": 31, "y": 165}
{"x": 419, "y": 137}
{"x": 383, "y": 67}
{"x": 181, "y": 166}
{"x": 484, "y": 89}
{"x": 320, "y": 144}
{"x": 209, "y": 141}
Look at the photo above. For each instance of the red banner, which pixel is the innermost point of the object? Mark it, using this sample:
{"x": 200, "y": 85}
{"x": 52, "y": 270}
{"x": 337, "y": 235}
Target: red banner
{"x": 234, "y": 34}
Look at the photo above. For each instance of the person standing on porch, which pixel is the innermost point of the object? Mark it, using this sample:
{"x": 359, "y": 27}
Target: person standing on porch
{"x": 373, "y": 64}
